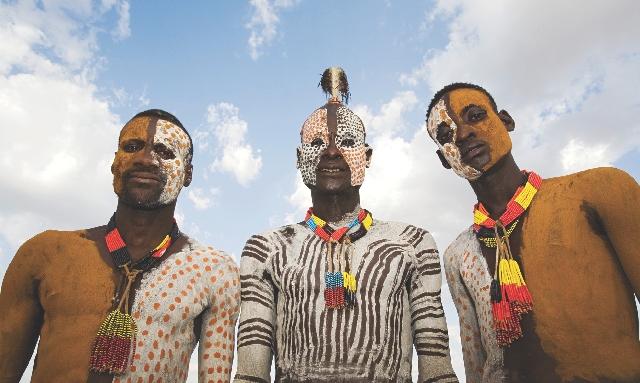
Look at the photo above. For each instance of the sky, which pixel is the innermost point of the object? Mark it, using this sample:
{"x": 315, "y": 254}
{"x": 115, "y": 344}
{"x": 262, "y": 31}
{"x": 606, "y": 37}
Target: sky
{"x": 242, "y": 77}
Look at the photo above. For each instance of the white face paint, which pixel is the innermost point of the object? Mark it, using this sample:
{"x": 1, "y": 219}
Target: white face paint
{"x": 450, "y": 151}
{"x": 177, "y": 141}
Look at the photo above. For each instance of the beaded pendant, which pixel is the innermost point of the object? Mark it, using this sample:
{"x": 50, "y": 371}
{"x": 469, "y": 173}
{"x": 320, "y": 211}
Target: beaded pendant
{"x": 510, "y": 297}
{"x": 114, "y": 346}
{"x": 340, "y": 283}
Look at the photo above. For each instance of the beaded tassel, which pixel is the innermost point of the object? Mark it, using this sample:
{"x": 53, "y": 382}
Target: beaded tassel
{"x": 510, "y": 297}
{"x": 115, "y": 344}
{"x": 340, "y": 286}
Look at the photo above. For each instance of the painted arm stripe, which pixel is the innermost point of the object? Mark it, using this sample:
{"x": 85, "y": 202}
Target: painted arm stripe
{"x": 441, "y": 378}
{"x": 422, "y": 346}
{"x": 431, "y": 330}
{"x": 428, "y": 294}
{"x": 249, "y": 378}
{"x": 431, "y": 353}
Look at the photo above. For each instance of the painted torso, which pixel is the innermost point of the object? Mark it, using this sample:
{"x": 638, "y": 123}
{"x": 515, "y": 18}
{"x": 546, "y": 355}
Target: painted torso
{"x": 571, "y": 246}
{"x": 397, "y": 305}
{"x": 75, "y": 286}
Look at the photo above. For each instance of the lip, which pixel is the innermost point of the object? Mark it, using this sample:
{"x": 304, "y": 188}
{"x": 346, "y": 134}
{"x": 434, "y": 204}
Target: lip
{"x": 330, "y": 169}
{"x": 144, "y": 177}
{"x": 471, "y": 150}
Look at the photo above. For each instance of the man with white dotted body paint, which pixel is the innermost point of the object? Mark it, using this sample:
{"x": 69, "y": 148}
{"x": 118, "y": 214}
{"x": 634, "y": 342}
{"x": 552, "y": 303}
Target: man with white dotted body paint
{"x": 171, "y": 291}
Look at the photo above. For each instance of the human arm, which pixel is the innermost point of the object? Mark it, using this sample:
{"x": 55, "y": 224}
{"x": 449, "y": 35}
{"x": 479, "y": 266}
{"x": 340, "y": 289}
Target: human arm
{"x": 473, "y": 353}
{"x": 217, "y": 337}
{"x": 615, "y": 195}
{"x": 256, "y": 333}
{"x": 21, "y": 314}
{"x": 430, "y": 335}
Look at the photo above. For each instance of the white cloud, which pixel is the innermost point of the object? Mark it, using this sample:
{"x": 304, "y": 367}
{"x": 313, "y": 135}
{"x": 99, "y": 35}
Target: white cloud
{"x": 564, "y": 70}
{"x": 58, "y": 135}
{"x": 389, "y": 120}
{"x": 201, "y": 200}
{"x": 229, "y": 129}
{"x": 264, "y": 22}
{"x": 122, "y": 31}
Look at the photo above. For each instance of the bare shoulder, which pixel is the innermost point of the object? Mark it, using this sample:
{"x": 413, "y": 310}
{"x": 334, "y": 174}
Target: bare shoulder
{"x": 205, "y": 253}
{"x": 49, "y": 239}
{"x": 406, "y": 232}
{"x": 594, "y": 180}
{"x": 460, "y": 246}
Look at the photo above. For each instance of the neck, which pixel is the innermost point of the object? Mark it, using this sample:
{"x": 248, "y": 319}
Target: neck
{"x": 497, "y": 185}
{"x": 333, "y": 207}
{"x": 143, "y": 230}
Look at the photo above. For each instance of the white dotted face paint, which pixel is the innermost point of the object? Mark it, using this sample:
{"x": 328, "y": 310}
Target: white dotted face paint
{"x": 450, "y": 151}
{"x": 350, "y": 142}
{"x": 315, "y": 140}
{"x": 175, "y": 140}
{"x": 350, "y": 137}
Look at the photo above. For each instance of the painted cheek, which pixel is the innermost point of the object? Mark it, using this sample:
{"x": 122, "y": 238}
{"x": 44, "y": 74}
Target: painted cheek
{"x": 314, "y": 127}
{"x": 450, "y": 151}
{"x": 177, "y": 141}
{"x": 357, "y": 160}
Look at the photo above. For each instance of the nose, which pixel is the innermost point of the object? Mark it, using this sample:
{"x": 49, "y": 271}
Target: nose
{"x": 146, "y": 157}
{"x": 332, "y": 151}
{"x": 463, "y": 133}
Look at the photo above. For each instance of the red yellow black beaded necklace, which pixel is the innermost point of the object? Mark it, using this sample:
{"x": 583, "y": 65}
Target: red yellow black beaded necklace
{"x": 115, "y": 344}
{"x": 340, "y": 286}
{"x": 510, "y": 297}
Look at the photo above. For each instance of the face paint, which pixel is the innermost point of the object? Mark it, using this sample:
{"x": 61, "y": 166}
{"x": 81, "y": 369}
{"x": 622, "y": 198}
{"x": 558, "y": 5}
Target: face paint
{"x": 169, "y": 152}
{"x": 450, "y": 151}
{"x": 176, "y": 140}
{"x": 490, "y": 130}
{"x": 315, "y": 139}
{"x": 350, "y": 142}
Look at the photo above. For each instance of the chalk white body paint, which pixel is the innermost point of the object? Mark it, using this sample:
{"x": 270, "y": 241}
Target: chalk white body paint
{"x": 450, "y": 151}
{"x": 176, "y": 140}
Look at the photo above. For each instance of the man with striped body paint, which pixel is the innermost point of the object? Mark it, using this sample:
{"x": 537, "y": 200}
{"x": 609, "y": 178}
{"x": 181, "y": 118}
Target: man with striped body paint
{"x": 292, "y": 308}
{"x": 574, "y": 238}
{"x": 61, "y": 285}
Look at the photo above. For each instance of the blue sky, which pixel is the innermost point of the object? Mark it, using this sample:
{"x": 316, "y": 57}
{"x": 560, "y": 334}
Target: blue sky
{"x": 242, "y": 77}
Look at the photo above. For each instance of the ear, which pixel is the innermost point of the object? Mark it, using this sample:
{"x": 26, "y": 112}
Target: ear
{"x": 443, "y": 160}
{"x": 298, "y": 155}
{"x": 368, "y": 153}
{"x": 506, "y": 119}
{"x": 188, "y": 175}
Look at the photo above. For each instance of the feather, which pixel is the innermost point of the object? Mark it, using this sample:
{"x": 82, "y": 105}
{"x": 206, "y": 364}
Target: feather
{"x": 334, "y": 82}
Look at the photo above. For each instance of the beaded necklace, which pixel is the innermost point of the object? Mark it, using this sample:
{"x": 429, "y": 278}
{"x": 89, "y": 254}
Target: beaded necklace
{"x": 340, "y": 284}
{"x": 510, "y": 297}
{"x": 115, "y": 344}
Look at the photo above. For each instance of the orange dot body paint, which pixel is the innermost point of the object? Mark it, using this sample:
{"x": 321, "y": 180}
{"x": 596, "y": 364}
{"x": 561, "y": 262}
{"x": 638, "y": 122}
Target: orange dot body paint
{"x": 349, "y": 126}
{"x": 491, "y": 129}
{"x": 59, "y": 286}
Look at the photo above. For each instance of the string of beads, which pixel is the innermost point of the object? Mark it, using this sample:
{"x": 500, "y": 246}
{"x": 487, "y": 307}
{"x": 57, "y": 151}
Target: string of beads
{"x": 510, "y": 297}
{"x": 340, "y": 284}
{"x": 115, "y": 344}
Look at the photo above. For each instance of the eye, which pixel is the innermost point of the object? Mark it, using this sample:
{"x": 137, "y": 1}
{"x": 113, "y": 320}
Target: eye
{"x": 164, "y": 152}
{"x": 476, "y": 115}
{"x": 317, "y": 142}
{"x": 132, "y": 146}
{"x": 445, "y": 134}
{"x": 348, "y": 142}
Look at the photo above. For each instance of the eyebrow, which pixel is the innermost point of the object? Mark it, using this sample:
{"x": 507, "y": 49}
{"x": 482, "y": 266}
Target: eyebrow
{"x": 466, "y": 108}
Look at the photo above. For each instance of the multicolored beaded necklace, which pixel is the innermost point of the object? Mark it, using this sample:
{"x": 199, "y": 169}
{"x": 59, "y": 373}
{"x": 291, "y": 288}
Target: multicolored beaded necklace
{"x": 510, "y": 297}
{"x": 115, "y": 344}
{"x": 340, "y": 283}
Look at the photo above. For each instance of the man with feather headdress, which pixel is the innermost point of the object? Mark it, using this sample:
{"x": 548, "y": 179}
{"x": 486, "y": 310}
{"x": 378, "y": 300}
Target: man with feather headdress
{"x": 340, "y": 297}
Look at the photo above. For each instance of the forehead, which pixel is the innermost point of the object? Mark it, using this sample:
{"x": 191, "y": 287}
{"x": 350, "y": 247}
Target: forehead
{"x": 170, "y": 134}
{"x": 460, "y": 99}
{"x": 315, "y": 126}
{"x": 349, "y": 122}
{"x": 137, "y": 128}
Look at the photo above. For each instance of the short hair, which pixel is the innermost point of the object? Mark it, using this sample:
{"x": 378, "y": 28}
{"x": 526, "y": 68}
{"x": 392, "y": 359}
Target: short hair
{"x": 455, "y": 86}
{"x": 162, "y": 115}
